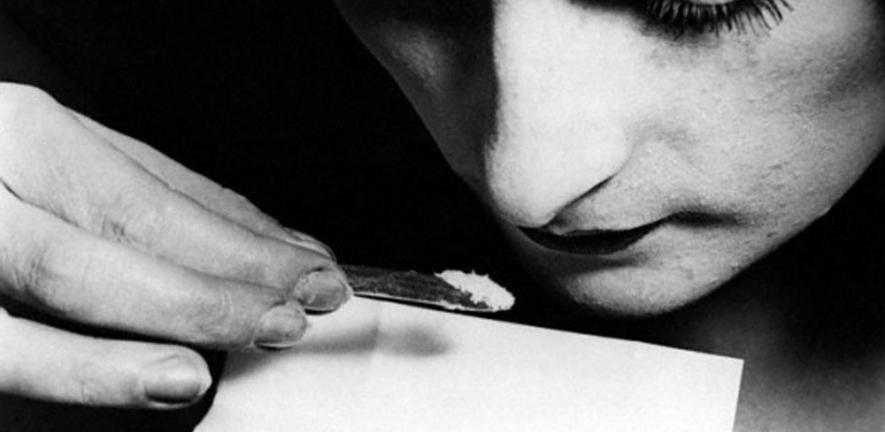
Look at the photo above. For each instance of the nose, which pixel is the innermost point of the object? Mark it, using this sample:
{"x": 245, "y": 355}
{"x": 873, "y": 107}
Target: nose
{"x": 566, "y": 82}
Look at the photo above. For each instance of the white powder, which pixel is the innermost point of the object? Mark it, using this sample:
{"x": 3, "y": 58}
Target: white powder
{"x": 480, "y": 287}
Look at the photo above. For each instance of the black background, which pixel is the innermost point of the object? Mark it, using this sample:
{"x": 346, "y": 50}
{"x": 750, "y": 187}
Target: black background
{"x": 280, "y": 102}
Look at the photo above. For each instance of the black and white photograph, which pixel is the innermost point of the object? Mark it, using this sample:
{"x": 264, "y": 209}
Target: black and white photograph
{"x": 442, "y": 216}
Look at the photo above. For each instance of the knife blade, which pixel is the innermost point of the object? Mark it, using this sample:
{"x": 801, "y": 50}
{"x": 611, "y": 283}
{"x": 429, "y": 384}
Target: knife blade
{"x": 414, "y": 287}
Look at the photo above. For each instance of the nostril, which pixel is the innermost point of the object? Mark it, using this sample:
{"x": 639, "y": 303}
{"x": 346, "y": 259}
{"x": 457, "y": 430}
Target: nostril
{"x": 544, "y": 209}
{"x": 522, "y": 206}
{"x": 523, "y": 217}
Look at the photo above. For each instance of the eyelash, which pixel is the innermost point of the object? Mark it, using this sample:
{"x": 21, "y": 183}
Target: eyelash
{"x": 687, "y": 16}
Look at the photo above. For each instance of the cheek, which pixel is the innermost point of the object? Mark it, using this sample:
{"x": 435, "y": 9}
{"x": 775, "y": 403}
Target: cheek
{"x": 789, "y": 121}
{"x": 771, "y": 129}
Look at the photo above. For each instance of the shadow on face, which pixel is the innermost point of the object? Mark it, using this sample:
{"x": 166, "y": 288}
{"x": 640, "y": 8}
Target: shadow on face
{"x": 640, "y": 154}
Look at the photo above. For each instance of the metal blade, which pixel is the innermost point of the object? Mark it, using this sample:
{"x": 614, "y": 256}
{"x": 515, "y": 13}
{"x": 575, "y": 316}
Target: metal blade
{"x": 411, "y": 287}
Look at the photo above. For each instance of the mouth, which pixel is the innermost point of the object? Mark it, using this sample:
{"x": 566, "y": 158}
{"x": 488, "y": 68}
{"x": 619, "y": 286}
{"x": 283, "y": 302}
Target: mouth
{"x": 591, "y": 242}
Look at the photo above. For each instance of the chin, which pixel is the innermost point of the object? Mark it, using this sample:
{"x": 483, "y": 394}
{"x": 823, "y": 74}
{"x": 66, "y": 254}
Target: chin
{"x": 634, "y": 294}
{"x": 634, "y": 290}
{"x": 669, "y": 269}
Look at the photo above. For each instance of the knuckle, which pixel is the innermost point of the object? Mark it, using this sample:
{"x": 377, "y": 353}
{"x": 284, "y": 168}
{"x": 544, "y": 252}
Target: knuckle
{"x": 94, "y": 383}
{"x": 22, "y": 98}
{"x": 215, "y": 320}
{"x": 20, "y": 104}
{"x": 87, "y": 392}
{"x": 130, "y": 217}
{"x": 32, "y": 278}
{"x": 46, "y": 279}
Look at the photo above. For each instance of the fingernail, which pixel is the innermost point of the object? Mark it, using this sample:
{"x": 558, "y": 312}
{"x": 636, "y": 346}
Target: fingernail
{"x": 308, "y": 242}
{"x": 323, "y": 291}
{"x": 281, "y": 327}
{"x": 174, "y": 381}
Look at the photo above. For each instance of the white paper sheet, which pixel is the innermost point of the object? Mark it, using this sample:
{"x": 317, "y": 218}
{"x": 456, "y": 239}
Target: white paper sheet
{"x": 376, "y": 366}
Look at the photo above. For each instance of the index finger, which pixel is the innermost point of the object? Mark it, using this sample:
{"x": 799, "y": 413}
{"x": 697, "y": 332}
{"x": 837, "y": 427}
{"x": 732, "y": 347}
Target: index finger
{"x": 206, "y": 192}
{"x": 79, "y": 176}
{"x": 70, "y": 273}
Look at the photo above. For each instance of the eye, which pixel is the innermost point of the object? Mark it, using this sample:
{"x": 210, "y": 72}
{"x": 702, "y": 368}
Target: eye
{"x": 698, "y": 17}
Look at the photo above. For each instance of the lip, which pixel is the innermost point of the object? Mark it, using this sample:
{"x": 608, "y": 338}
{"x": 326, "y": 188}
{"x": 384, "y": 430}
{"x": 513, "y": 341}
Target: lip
{"x": 591, "y": 242}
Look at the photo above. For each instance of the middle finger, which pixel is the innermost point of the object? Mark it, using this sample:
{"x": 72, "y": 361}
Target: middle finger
{"x": 109, "y": 194}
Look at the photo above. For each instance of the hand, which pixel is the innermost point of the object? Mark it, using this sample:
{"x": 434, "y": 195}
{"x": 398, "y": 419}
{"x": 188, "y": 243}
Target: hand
{"x": 100, "y": 229}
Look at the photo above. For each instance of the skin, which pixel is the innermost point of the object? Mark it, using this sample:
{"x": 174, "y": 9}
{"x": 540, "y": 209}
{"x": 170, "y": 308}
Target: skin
{"x": 99, "y": 229}
{"x": 570, "y": 116}
{"x": 591, "y": 119}
{"x": 563, "y": 115}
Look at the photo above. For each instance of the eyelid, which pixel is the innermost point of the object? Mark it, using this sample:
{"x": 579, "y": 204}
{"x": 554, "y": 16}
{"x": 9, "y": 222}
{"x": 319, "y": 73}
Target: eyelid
{"x": 692, "y": 16}
{"x": 710, "y": 3}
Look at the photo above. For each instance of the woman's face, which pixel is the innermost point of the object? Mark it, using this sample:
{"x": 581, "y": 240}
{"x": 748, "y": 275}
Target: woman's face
{"x": 634, "y": 168}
